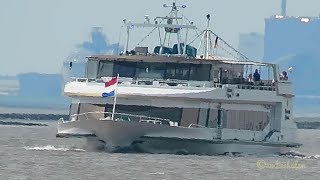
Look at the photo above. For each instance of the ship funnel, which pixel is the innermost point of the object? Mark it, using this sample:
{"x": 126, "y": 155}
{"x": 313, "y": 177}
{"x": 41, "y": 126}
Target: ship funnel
{"x": 284, "y": 8}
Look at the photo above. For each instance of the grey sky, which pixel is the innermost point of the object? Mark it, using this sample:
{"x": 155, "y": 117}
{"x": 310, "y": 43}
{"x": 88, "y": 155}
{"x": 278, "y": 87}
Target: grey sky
{"x": 37, "y": 35}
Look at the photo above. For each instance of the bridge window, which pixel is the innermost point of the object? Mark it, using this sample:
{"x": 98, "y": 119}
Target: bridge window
{"x": 124, "y": 69}
{"x": 200, "y": 72}
{"x": 92, "y": 68}
{"x": 105, "y": 69}
{"x": 150, "y": 70}
{"x": 177, "y": 71}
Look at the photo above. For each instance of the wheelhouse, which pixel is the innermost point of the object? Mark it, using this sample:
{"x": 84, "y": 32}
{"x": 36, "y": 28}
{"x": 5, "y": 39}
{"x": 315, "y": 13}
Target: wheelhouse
{"x": 162, "y": 68}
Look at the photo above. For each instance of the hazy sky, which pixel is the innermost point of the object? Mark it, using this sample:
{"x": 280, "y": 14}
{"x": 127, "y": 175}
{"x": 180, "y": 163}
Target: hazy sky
{"x": 37, "y": 35}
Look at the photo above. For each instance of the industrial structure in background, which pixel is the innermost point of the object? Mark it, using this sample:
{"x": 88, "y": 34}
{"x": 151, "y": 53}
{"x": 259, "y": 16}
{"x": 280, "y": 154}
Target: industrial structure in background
{"x": 45, "y": 90}
{"x": 294, "y": 42}
{"x": 288, "y": 36}
{"x": 74, "y": 64}
{"x": 290, "y": 42}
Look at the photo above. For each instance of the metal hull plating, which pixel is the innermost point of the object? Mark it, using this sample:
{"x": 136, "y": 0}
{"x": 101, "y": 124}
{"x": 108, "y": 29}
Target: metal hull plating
{"x": 119, "y": 136}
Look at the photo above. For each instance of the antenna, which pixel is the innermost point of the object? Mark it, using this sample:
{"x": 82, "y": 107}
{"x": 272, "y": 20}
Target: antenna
{"x": 206, "y": 39}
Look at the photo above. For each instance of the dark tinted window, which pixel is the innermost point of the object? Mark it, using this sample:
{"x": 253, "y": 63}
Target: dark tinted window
{"x": 177, "y": 71}
{"x": 200, "y": 72}
{"x": 124, "y": 69}
{"x": 150, "y": 70}
{"x": 92, "y": 68}
{"x": 105, "y": 69}
{"x": 174, "y": 114}
{"x": 181, "y": 71}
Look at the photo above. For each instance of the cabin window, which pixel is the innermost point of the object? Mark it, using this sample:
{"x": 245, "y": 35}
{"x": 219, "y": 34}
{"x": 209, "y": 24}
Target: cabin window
{"x": 124, "y": 69}
{"x": 150, "y": 70}
{"x": 183, "y": 71}
{"x": 200, "y": 72}
{"x": 105, "y": 69}
{"x": 92, "y": 69}
{"x": 180, "y": 71}
{"x": 177, "y": 71}
{"x": 174, "y": 114}
{"x": 193, "y": 72}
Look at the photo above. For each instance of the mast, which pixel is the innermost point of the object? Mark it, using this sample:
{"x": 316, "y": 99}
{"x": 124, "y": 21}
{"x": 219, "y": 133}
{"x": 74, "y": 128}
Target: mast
{"x": 205, "y": 41}
{"x": 115, "y": 99}
{"x": 172, "y": 24}
{"x": 207, "y": 34}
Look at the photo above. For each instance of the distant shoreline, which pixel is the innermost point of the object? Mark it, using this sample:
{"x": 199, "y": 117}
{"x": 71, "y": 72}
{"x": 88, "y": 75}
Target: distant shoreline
{"x": 24, "y": 116}
{"x": 302, "y": 123}
{"x": 31, "y": 110}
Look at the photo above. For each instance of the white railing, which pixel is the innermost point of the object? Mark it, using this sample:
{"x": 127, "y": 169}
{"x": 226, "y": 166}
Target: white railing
{"x": 151, "y": 82}
{"x": 119, "y": 117}
{"x": 174, "y": 83}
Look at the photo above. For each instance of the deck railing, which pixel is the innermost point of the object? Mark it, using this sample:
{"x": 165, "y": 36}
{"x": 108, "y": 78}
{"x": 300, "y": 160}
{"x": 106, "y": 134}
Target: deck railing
{"x": 153, "y": 82}
{"x": 177, "y": 83}
{"x": 105, "y": 116}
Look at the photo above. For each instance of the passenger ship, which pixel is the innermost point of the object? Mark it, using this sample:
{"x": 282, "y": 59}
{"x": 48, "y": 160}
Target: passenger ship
{"x": 180, "y": 99}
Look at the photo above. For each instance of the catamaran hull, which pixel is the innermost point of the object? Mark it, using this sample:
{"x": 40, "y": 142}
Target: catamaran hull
{"x": 203, "y": 148}
{"x": 119, "y": 136}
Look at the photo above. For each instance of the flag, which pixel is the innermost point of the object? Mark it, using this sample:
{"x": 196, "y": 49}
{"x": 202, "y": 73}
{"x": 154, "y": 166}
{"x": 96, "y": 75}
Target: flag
{"x": 113, "y": 81}
{"x": 216, "y": 42}
{"x": 109, "y": 94}
{"x": 111, "y": 85}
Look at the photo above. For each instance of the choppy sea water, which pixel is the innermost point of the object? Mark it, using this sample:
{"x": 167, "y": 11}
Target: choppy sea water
{"x": 35, "y": 153}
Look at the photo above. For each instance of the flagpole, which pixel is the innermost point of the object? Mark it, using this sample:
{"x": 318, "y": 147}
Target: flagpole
{"x": 115, "y": 99}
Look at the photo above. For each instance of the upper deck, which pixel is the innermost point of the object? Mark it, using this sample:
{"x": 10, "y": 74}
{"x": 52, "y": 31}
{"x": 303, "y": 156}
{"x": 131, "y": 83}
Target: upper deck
{"x": 174, "y": 68}
{"x": 179, "y": 65}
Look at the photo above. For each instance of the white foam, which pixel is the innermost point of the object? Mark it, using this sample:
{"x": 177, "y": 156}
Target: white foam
{"x": 51, "y": 148}
{"x": 313, "y": 157}
{"x": 157, "y": 173}
{"x": 299, "y": 155}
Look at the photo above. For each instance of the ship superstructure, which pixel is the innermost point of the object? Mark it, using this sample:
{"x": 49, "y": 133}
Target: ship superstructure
{"x": 181, "y": 98}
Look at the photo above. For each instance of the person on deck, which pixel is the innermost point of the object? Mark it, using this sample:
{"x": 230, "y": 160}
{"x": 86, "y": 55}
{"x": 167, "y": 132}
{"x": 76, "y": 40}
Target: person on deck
{"x": 256, "y": 76}
{"x": 284, "y": 76}
{"x": 250, "y": 79}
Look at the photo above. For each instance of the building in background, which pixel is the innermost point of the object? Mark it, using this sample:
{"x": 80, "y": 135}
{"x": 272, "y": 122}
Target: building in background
{"x": 294, "y": 42}
{"x": 45, "y": 90}
{"x": 74, "y": 64}
{"x": 289, "y": 36}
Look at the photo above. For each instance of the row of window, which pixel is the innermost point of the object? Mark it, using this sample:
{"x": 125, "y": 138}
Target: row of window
{"x": 196, "y": 72}
{"x": 174, "y": 114}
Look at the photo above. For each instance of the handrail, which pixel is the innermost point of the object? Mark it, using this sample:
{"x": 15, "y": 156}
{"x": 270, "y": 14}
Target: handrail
{"x": 121, "y": 114}
{"x": 175, "y": 83}
{"x": 147, "y": 81}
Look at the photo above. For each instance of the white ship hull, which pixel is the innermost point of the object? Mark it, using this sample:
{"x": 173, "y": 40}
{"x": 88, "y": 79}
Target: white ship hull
{"x": 120, "y": 136}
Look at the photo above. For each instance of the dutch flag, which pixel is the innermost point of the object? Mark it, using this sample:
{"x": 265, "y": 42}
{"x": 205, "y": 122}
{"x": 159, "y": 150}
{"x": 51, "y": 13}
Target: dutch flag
{"x": 114, "y": 83}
